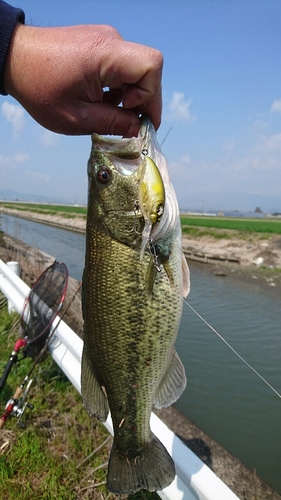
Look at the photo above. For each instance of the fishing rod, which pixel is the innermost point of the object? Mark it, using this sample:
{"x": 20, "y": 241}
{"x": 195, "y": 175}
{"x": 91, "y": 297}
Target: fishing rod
{"x": 17, "y": 405}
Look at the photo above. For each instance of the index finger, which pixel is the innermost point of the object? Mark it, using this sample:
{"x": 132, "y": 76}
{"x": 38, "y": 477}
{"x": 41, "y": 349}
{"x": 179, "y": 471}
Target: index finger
{"x": 138, "y": 70}
{"x": 144, "y": 103}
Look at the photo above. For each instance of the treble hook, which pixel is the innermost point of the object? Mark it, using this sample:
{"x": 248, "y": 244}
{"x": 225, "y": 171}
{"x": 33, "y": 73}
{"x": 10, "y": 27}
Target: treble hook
{"x": 136, "y": 210}
{"x": 154, "y": 255}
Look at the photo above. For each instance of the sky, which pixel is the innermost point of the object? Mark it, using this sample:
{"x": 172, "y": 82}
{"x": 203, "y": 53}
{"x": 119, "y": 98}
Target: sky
{"x": 221, "y": 102}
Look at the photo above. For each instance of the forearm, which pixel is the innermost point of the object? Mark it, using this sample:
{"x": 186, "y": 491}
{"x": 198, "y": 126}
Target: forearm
{"x": 9, "y": 18}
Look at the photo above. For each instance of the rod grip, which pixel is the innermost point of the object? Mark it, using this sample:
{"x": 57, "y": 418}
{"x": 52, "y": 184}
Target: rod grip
{"x": 8, "y": 367}
{"x": 18, "y": 393}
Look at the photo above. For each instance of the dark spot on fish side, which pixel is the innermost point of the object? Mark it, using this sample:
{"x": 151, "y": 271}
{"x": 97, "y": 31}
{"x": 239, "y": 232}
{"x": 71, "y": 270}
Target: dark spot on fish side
{"x": 148, "y": 361}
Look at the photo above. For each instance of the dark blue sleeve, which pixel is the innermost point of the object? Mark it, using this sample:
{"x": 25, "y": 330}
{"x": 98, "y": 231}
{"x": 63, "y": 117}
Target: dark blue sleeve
{"x": 9, "y": 16}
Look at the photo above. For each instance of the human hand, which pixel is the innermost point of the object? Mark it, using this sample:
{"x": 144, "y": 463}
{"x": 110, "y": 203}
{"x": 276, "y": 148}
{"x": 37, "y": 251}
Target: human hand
{"x": 59, "y": 75}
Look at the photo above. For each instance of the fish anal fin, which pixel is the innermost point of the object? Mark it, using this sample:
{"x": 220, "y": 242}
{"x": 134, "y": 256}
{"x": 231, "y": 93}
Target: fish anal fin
{"x": 152, "y": 468}
{"x": 94, "y": 399}
{"x": 172, "y": 384}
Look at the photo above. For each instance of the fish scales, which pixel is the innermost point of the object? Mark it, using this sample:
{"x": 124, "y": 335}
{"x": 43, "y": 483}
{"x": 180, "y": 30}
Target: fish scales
{"x": 131, "y": 318}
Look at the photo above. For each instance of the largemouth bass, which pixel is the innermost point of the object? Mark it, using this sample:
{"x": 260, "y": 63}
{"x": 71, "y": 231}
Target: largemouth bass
{"x": 134, "y": 278}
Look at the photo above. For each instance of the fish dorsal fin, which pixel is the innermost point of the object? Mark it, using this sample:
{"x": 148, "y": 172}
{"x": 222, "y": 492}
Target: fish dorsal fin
{"x": 172, "y": 384}
{"x": 94, "y": 398}
{"x": 185, "y": 277}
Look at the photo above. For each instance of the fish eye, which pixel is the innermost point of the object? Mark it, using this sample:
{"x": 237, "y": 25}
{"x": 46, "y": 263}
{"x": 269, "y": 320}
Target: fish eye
{"x": 103, "y": 176}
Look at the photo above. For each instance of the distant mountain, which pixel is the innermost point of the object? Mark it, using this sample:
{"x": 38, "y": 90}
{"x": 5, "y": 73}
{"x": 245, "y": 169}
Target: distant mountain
{"x": 10, "y": 195}
{"x": 229, "y": 201}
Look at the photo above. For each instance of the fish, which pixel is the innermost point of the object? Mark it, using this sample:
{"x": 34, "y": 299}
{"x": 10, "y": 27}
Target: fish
{"x": 134, "y": 278}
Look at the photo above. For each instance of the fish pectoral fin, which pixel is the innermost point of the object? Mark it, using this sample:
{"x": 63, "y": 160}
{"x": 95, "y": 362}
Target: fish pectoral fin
{"x": 150, "y": 277}
{"x": 172, "y": 384}
{"x": 94, "y": 399}
{"x": 185, "y": 277}
{"x": 169, "y": 272}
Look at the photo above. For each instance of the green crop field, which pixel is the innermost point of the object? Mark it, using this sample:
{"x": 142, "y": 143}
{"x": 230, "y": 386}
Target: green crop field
{"x": 267, "y": 225}
{"x": 67, "y": 210}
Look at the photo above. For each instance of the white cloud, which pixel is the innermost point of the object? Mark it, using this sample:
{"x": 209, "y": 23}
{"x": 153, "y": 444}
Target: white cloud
{"x": 182, "y": 162}
{"x": 48, "y": 138}
{"x": 179, "y": 108}
{"x": 273, "y": 142}
{"x": 11, "y": 170}
{"x": 276, "y": 106}
{"x": 14, "y": 115}
{"x": 185, "y": 160}
{"x": 37, "y": 176}
{"x": 12, "y": 161}
{"x": 241, "y": 166}
{"x": 228, "y": 146}
{"x": 21, "y": 158}
{"x": 181, "y": 168}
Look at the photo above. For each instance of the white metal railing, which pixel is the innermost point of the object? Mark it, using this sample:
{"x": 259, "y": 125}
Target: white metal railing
{"x": 194, "y": 480}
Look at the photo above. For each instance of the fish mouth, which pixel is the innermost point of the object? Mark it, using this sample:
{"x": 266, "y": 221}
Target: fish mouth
{"x": 125, "y": 154}
{"x": 128, "y": 153}
{"x": 141, "y": 153}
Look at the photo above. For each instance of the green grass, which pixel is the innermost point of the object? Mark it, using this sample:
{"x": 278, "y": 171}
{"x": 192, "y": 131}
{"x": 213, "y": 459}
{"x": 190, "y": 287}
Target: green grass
{"x": 65, "y": 210}
{"x": 237, "y": 224}
{"x": 267, "y": 225}
{"x": 41, "y": 462}
{"x": 197, "y": 232}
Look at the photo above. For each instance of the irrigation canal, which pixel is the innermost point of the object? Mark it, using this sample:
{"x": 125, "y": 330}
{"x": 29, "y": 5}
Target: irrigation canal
{"x": 224, "y": 397}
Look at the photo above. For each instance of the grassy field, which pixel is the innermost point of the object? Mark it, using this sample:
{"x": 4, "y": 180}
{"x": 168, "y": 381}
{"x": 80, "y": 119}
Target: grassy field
{"x": 42, "y": 461}
{"x": 38, "y": 208}
{"x": 266, "y": 226}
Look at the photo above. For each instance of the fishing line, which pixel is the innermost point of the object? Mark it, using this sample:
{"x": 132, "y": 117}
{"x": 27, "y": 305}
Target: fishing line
{"x": 232, "y": 349}
{"x": 164, "y": 275}
{"x": 165, "y": 137}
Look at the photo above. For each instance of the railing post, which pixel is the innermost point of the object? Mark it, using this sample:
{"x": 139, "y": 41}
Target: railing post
{"x": 15, "y": 267}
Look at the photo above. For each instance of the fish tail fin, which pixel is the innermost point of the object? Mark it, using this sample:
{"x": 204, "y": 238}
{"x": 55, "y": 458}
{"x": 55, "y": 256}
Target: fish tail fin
{"x": 151, "y": 469}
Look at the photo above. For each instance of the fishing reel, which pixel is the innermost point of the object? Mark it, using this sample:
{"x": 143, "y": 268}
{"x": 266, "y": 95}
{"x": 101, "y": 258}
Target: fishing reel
{"x": 16, "y": 407}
